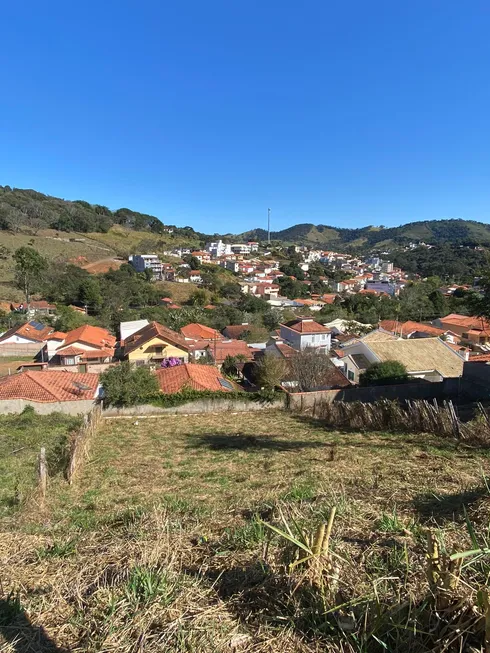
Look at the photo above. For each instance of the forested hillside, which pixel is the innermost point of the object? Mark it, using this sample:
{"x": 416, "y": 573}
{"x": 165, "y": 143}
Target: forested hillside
{"x": 30, "y": 210}
{"x": 434, "y": 232}
{"x": 21, "y": 208}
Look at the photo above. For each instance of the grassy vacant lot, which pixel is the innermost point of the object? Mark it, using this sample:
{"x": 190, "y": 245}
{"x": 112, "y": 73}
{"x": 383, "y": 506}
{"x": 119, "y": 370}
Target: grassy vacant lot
{"x": 162, "y": 544}
{"x": 8, "y": 364}
{"x": 21, "y": 438}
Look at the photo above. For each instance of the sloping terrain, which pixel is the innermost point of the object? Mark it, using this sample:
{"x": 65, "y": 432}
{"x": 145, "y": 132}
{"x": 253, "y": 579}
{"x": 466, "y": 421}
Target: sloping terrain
{"x": 434, "y": 232}
{"x": 166, "y": 541}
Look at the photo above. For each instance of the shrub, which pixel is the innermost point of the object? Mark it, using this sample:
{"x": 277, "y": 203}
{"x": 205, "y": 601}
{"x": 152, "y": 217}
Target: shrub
{"x": 125, "y": 385}
{"x": 385, "y": 373}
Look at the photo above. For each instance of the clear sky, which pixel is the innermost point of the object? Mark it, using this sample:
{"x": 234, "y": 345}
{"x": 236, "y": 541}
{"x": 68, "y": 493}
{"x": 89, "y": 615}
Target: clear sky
{"x": 208, "y": 112}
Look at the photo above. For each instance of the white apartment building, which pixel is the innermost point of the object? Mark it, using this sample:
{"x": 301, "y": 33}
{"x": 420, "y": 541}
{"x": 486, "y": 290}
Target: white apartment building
{"x": 142, "y": 262}
{"x": 241, "y": 248}
{"x": 218, "y": 248}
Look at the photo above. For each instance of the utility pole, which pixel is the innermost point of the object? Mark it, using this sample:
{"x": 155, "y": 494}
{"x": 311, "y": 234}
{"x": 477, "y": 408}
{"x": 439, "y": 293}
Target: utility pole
{"x": 268, "y": 226}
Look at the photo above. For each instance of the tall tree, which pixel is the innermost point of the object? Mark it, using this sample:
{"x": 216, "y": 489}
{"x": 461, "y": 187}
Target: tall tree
{"x": 29, "y": 265}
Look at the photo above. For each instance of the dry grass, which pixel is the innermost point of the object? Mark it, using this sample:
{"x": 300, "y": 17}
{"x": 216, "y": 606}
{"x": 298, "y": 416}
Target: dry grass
{"x": 9, "y": 364}
{"x": 161, "y": 545}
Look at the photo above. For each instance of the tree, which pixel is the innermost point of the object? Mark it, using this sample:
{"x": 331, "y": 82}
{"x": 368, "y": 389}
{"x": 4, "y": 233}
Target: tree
{"x": 385, "y": 373}
{"x": 125, "y": 385}
{"x": 270, "y": 370}
{"x": 310, "y": 369}
{"x": 191, "y": 261}
{"x": 68, "y": 319}
{"x": 89, "y": 293}
{"x": 29, "y": 265}
{"x": 254, "y": 333}
{"x": 229, "y": 366}
{"x": 199, "y": 297}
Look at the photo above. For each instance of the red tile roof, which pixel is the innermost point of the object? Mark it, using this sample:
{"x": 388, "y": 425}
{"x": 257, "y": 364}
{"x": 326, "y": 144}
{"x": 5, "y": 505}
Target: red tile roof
{"x": 192, "y": 375}
{"x": 200, "y": 332}
{"x": 306, "y": 325}
{"x": 90, "y": 335}
{"x": 87, "y": 354}
{"x": 31, "y": 331}
{"x": 285, "y": 350}
{"x": 480, "y": 358}
{"x": 236, "y": 330}
{"x": 221, "y": 349}
{"x": 154, "y": 330}
{"x": 70, "y": 351}
{"x": 48, "y": 386}
{"x": 465, "y": 321}
{"x": 56, "y": 335}
{"x": 405, "y": 328}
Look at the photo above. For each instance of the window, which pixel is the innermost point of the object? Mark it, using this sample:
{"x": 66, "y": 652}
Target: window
{"x": 158, "y": 350}
{"x": 350, "y": 375}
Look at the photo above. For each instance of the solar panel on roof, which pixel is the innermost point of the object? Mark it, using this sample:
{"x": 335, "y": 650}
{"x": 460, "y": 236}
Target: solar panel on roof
{"x": 36, "y": 325}
{"x": 225, "y": 384}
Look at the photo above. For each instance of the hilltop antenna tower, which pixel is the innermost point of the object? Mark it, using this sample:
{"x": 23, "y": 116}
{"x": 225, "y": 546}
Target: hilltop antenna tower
{"x": 268, "y": 226}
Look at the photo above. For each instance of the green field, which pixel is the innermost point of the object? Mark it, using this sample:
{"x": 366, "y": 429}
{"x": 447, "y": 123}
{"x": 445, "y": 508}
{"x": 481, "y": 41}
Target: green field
{"x": 163, "y": 542}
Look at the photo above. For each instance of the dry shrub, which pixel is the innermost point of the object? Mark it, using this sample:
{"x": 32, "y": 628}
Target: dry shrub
{"x": 409, "y": 417}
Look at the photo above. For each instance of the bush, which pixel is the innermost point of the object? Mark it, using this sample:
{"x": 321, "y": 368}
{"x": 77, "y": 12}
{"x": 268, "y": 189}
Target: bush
{"x": 385, "y": 373}
{"x": 125, "y": 385}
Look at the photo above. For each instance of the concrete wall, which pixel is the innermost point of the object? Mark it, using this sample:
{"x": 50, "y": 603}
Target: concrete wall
{"x": 15, "y": 406}
{"x": 19, "y": 349}
{"x": 476, "y": 380}
{"x": 446, "y": 389}
{"x": 201, "y": 406}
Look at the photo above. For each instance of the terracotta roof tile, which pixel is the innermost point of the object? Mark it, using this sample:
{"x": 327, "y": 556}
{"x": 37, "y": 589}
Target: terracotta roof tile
{"x": 200, "y": 332}
{"x": 191, "y": 375}
{"x": 154, "y": 330}
{"x": 236, "y": 330}
{"x": 220, "y": 350}
{"x": 48, "y": 386}
{"x": 31, "y": 330}
{"x": 90, "y": 335}
{"x": 306, "y": 325}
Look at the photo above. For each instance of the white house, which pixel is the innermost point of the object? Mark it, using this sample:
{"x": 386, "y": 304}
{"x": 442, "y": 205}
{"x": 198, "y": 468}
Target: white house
{"x": 304, "y": 332}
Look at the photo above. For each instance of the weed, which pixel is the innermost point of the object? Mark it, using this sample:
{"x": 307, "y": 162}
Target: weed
{"x": 248, "y": 536}
{"x": 148, "y": 584}
{"x": 10, "y": 608}
{"x": 57, "y": 550}
{"x": 391, "y": 523}
{"x": 302, "y": 491}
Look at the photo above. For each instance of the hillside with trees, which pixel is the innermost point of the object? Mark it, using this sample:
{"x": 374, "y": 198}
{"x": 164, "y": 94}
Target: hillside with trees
{"x": 29, "y": 209}
{"x": 432, "y": 232}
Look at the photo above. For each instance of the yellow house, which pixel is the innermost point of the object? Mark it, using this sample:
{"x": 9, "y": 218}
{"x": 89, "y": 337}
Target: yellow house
{"x": 153, "y": 343}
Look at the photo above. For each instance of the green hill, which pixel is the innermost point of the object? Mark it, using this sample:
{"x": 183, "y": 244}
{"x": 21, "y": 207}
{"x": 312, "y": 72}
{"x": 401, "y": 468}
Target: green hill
{"x": 433, "y": 232}
{"x": 28, "y": 210}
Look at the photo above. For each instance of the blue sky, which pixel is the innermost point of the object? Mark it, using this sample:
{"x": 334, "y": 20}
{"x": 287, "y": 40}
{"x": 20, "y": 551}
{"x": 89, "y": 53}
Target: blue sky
{"x": 208, "y": 113}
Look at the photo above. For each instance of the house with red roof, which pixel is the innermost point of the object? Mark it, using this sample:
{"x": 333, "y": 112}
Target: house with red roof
{"x": 196, "y": 331}
{"x": 195, "y": 377}
{"x": 26, "y": 334}
{"x": 473, "y": 329}
{"x": 49, "y": 391}
{"x": 411, "y": 329}
{"x": 305, "y": 332}
{"x": 85, "y": 346}
{"x": 217, "y": 351}
{"x": 154, "y": 343}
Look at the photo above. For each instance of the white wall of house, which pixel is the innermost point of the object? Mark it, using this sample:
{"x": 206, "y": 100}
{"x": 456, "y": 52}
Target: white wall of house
{"x": 300, "y": 341}
{"x": 16, "y": 339}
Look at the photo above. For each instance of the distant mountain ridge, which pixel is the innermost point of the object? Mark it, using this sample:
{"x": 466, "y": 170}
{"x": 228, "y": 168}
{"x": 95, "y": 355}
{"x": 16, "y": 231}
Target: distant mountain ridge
{"x": 24, "y": 209}
{"x": 432, "y": 232}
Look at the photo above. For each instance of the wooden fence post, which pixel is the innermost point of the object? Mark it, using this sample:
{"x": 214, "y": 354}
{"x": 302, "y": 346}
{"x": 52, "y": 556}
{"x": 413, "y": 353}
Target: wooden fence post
{"x": 42, "y": 474}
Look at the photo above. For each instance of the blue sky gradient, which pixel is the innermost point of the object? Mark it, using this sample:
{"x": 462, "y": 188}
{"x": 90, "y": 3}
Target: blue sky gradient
{"x": 207, "y": 113}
